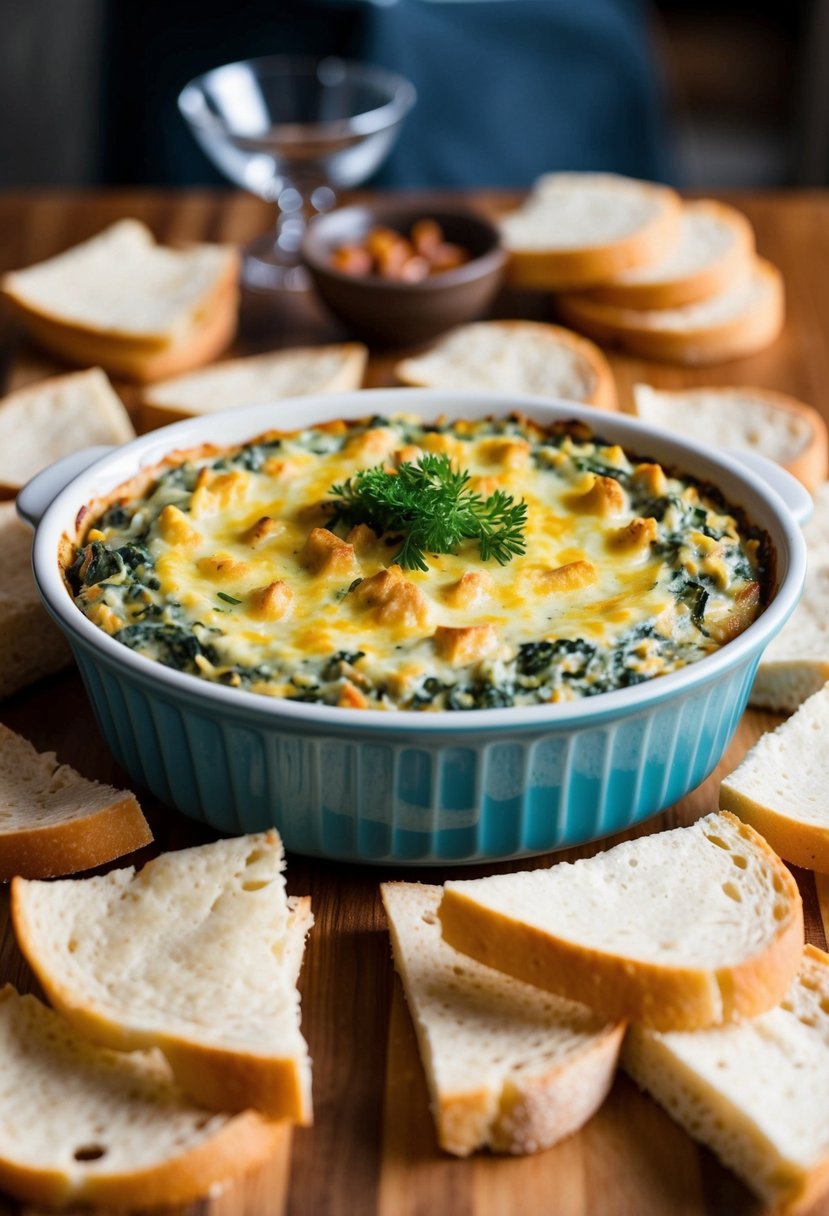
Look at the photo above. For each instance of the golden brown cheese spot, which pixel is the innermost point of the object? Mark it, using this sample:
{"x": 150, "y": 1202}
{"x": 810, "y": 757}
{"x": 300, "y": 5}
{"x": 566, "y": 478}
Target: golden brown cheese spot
{"x": 264, "y": 529}
{"x": 174, "y": 527}
{"x": 472, "y": 586}
{"x": 392, "y": 599}
{"x": 603, "y": 496}
{"x": 216, "y": 491}
{"x": 512, "y": 453}
{"x": 486, "y": 486}
{"x": 105, "y": 618}
{"x": 717, "y": 570}
{"x": 651, "y": 477}
{"x": 223, "y": 568}
{"x": 372, "y": 447}
{"x": 410, "y": 453}
{"x": 316, "y": 514}
{"x": 567, "y": 578}
{"x": 464, "y": 644}
{"x": 736, "y": 618}
{"x": 439, "y": 441}
{"x": 365, "y": 541}
{"x": 277, "y": 466}
{"x": 351, "y": 697}
{"x": 325, "y": 553}
{"x": 639, "y": 534}
{"x": 271, "y": 603}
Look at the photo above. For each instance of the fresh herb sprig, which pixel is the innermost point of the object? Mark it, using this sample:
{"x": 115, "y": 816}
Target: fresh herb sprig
{"x": 430, "y": 505}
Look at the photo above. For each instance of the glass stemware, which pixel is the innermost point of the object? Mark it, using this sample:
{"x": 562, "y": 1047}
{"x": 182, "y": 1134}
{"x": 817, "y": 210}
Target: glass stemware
{"x": 294, "y": 131}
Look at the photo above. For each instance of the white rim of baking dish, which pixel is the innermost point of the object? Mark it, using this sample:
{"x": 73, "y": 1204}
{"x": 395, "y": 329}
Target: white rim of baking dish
{"x": 760, "y": 495}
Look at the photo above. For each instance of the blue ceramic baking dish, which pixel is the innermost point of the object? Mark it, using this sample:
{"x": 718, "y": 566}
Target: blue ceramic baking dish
{"x": 413, "y": 788}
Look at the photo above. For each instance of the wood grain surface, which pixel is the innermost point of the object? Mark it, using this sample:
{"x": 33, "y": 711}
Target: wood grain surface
{"x": 372, "y": 1148}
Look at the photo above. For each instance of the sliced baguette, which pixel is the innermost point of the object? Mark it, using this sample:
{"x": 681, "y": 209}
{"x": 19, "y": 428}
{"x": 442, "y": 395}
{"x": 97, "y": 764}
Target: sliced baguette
{"x": 756, "y": 1092}
{"x": 743, "y": 318}
{"x": 54, "y": 821}
{"x": 782, "y": 786}
{"x": 715, "y": 247}
{"x": 508, "y": 1067}
{"x": 579, "y": 229}
{"x": 515, "y": 357}
{"x": 45, "y": 421}
{"x": 197, "y": 954}
{"x": 795, "y": 664}
{"x": 134, "y": 307}
{"x": 260, "y": 379}
{"x": 31, "y": 645}
{"x": 754, "y": 419}
{"x": 679, "y": 930}
{"x": 81, "y": 1124}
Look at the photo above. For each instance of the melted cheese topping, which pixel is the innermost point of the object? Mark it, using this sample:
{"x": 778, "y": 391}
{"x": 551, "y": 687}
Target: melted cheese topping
{"x": 227, "y": 568}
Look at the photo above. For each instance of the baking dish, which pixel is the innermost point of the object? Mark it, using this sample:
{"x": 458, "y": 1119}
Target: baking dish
{"x": 412, "y": 788}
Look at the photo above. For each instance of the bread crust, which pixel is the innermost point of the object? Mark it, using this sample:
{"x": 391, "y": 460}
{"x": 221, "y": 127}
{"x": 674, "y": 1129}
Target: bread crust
{"x": 134, "y": 361}
{"x": 245, "y": 1142}
{"x": 588, "y": 265}
{"x": 155, "y": 412}
{"x": 664, "y": 998}
{"x": 603, "y": 395}
{"x": 707, "y": 281}
{"x": 755, "y": 328}
{"x": 811, "y": 465}
{"x": 55, "y": 849}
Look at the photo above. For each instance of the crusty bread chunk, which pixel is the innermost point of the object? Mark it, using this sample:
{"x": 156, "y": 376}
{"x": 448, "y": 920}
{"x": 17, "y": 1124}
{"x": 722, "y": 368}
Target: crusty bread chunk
{"x": 756, "y": 1092}
{"x": 782, "y": 786}
{"x": 579, "y": 229}
{"x": 751, "y": 419}
{"x": 744, "y": 317}
{"x": 82, "y": 1124}
{"x": 508, "y": 1067}
{"x": 795, "y": 664}
{"x": 715, "y": 246}
{"x": 256, "y": 380}
{"x": 31, "y": 645}
{"x": 46, "y": 421}
{"x": 197, "y": 954}
{"x": 515, "y": 357}
{"x": 678, "y": 930}
{"x": 54, "y": 821}
{"x": 136, "y": 308}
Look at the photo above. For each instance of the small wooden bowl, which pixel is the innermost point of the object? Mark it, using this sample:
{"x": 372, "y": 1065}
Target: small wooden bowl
{"x": 391, "y": 313}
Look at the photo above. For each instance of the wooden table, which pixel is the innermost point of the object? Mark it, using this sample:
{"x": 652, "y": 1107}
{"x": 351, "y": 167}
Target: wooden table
{"x": 372, "y": 1148}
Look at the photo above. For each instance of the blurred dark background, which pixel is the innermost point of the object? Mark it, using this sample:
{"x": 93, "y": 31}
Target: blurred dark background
{"x": 704, "y": 93}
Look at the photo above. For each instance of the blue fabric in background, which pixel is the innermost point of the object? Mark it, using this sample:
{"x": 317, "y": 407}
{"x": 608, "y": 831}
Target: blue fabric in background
{"x": 508, "y": 89}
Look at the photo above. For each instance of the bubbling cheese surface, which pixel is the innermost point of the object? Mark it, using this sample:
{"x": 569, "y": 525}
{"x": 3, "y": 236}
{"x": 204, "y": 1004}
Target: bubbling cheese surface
{"x": 233, "y": 566}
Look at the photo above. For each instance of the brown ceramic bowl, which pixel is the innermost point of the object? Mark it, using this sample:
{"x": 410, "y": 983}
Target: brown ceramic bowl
{"x": 391, "y": 313}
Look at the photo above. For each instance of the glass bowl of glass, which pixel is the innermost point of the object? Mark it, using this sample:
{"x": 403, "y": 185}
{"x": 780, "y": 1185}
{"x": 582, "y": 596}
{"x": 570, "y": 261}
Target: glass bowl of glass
{"x": 295, "y": 131}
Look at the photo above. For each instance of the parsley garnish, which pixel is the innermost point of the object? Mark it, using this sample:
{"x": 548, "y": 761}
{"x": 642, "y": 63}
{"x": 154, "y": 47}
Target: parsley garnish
{"x": 228, "y": 599}
{"x": 430, "y": 505}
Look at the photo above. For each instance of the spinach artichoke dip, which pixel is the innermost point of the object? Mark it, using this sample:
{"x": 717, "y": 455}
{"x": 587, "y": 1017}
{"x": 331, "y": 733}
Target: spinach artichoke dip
{"x": 398, "y": 565}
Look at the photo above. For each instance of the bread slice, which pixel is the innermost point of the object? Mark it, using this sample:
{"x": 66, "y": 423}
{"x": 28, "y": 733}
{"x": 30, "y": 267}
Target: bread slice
{"x": 743, "y": 318}
{"x": 753, "y": 419}
{"x": 54, "y": 821}
{"x": 81, "y": 1124}
{"x": 515, "y": 357}
{"x": 255, "y": 381}
{"x": 795, "y": 664}
{"x": 197, "y": 954}
{"x": 714, "y": 248}
{"x": 679, "y": 930}
{"x": 45, "y": 421}
{"x": 756, "y": 1092}
{"x": 782, "y": 786}
{"x": 31, "y": 645}
{"x": 580, "y": 229}
{"x": 136, "y": 308}
{"x": 509, "y": 1067}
